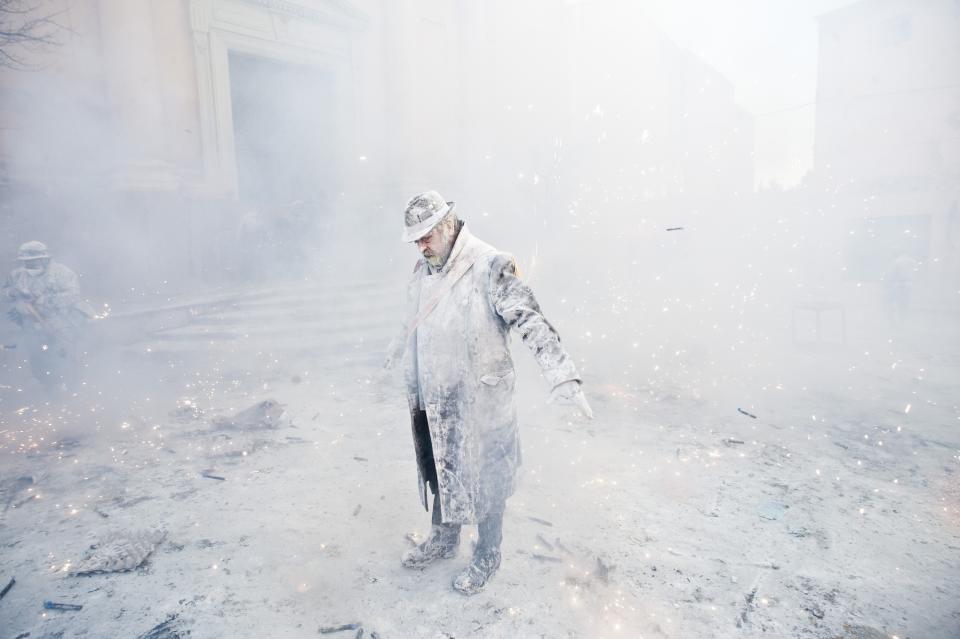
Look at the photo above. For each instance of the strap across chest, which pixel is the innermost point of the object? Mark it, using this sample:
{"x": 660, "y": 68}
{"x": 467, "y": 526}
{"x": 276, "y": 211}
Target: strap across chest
{"x": 443, "y": 289}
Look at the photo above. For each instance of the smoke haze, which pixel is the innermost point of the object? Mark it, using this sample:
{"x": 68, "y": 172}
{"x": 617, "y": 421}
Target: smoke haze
{"x": 742, "y": 219}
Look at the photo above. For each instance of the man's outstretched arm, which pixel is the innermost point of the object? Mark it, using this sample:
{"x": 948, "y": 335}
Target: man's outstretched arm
{"x": 516, "y": 304}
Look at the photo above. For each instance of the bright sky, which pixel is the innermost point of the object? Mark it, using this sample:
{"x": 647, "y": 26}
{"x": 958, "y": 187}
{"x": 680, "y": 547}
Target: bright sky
{"x": 768, "y": 49}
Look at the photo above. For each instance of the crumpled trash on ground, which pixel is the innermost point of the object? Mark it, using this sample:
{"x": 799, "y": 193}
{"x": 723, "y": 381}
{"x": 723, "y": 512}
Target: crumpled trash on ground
{"x": 118, "y": 552}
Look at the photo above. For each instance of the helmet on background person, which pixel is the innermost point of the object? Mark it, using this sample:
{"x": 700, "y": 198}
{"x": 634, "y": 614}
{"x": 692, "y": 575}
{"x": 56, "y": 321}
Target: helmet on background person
{"x": 34, "y": 257}
{"x": 32, "y": 250}
{"x": 424, "y": 212}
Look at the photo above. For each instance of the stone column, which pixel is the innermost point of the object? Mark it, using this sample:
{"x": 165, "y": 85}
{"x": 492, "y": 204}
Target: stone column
{"x": 134, "y": 102}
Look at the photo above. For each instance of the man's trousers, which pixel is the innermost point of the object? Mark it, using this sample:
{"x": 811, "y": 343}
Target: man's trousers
{"x": 490, "y": 528}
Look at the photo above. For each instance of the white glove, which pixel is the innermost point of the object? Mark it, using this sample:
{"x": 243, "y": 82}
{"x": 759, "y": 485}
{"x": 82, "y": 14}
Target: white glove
{"x": 569, "y": 393}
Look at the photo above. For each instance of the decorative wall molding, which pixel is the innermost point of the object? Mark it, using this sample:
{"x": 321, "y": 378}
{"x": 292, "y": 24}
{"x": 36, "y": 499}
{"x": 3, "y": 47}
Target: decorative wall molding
{"x": 201, "y": 14}
{"x": 333, "y": 8}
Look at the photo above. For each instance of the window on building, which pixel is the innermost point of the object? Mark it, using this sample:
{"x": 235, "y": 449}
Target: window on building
{"x": 895, "y": 31}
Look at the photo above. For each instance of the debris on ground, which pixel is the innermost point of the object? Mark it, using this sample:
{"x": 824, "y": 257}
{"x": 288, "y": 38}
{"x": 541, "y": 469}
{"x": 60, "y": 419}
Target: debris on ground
{"x": 118, "y": 552}
{"x": 332, "y": 629}
{"x": 543, "y": 522}
{"x": 6, "y": 589}
{"x": 13, "y": 487}
{"x": 543, "y": 540}
{"x": 562, "y": 548}
{"x": 816, "y": 611}
{"x": 603, "y": 571}
{"x": 50, "y": 605}
{"x": 861, "y": 632}
{"x": 171, "y": 628}
{"x": 747, "y": 608}
{"x": 265, "y": 415}
{"x": 772, "y": 510}
{"x": 548, "y": 558}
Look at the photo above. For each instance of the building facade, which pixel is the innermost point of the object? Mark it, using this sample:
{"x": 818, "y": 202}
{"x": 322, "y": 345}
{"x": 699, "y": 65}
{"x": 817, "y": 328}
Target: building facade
{"x": 185, "y": 138}
{"x": 161, "y": 132}
{"x": 887, "y": 144}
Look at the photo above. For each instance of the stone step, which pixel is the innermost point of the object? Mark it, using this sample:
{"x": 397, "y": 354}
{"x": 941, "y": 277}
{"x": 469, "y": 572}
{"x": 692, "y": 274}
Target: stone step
{"x": 309, "y": 292}
{"x": 376, "y": 327}
{"x": 310, "y": 298}
{"x": 263, "y": 314}
{"x": 358, "y": 348}
{"x": 283, "y": 313}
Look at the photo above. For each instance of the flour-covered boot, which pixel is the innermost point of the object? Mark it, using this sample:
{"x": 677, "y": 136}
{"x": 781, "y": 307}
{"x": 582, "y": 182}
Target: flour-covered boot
{"x": 442, "y": 543}
{"x": 478, "y": 573}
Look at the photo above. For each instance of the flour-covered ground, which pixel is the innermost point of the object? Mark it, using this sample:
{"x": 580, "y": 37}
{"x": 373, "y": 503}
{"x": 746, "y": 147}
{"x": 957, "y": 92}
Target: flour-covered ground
{"x": 834, "y": 512}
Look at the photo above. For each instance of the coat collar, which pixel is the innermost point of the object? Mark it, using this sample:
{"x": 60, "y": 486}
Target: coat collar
{"x": 462, "y": 249}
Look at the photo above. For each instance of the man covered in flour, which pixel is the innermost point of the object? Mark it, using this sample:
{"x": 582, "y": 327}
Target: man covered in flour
{"x": 464, "y": 298}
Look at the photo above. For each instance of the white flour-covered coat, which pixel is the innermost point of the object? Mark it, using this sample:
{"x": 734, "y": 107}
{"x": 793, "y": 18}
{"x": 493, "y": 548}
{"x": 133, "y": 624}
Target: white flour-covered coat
{"x": 458, "y": 361}
{"x": 54, "y": 294}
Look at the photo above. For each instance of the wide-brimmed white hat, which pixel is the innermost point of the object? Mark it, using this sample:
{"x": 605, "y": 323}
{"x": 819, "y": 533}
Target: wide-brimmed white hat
{"x": 424, "y": 212}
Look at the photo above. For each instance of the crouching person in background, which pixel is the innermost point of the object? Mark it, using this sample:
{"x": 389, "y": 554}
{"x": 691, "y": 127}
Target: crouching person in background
{"x": 45, "y": 302}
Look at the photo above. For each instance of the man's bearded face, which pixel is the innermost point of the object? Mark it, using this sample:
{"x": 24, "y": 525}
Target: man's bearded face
{"x": 435, "y": 246}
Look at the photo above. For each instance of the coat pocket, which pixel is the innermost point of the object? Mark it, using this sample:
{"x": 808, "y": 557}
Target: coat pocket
{"x": 495, "y": 379}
